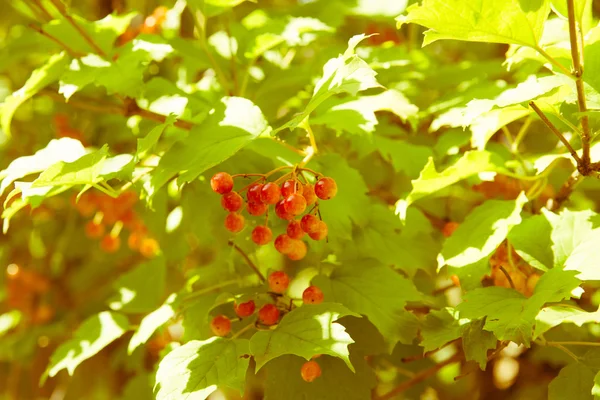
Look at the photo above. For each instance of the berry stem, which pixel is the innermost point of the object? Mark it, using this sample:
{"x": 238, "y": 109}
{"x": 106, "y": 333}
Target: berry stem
{"x": 248, "y": 261}
{"x": 242, "y": 331}
{"x": 315, "y": 173}
{"x": 311, "y": 136}
{"x": 246, "y": 175}
{"x": 209, "y": 289}
{"x": 116, "y": 229}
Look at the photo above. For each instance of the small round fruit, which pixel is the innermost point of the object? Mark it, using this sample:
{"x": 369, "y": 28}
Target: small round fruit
{"x": 290, "y": 187}
{"x": 246, "y": 309}
{"x": 220, "y": 325}
{"x": 149, "y": 247}
{"x": 221, "y": 183}
{"x": 257, "y": 209}
{"x": 325, "y": 188}
{"x": 234, "y": 222}
{"x": 298, "y": 250}
{"x": 94, "y": 230}
{"x": 284, "y": 244}
{"x": 320, "y": 233}
{"x": 294, "y": 230}
{"x": 309, "y": 223}
{"x": 309, "y": 194}
{"x": 254, "y": 192}
{"x": 268, "y": 315}
{"x": 262, "y": 235}
{"x": 281, "y": 212}
{"x": 279, "y": 281}
{"x": 110, "y": 244}
{"x": 270, "y": 193}
{"x": 134, "y": 241}
{"x": 312, "y": 295}
{"x": 310, "y": 371}
{"x": 232, "y": 201}
{"x": 295, "y": 204}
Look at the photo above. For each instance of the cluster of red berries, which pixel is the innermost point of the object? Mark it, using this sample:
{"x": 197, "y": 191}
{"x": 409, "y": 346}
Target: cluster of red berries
{"x": 63, "y": 128}
{"x": 290, "y": 201}
{"x": 118, "y": 212}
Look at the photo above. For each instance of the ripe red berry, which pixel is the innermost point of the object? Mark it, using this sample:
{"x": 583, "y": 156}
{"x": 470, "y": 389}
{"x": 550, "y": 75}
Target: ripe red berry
{"x": 279, "y": 281}
{"x": 284, "y": 244}
{"x": 257, "y": 209}
{"x": 254, "y": 192}
{"x": 221, "y": 183}
{"x": 246, "y": 309}
{"x": 262, "y": 235}
{"x": 281, "y": 212}
{"x": 220, "y": 325}
{"x": 290, "y": 187}
{"x": 94, "y": 230}
{"x": 149, "y": 247}
{"x": 268, "y": 314}
{"x": 309, "y": 223}
{"x": 310, "y": 371}
{"x": 312, "y": 295}
{"x": 234, "y": 222}
{"x": 110, "y": 244}
{"x": 309, "y": 194}
{"x": 270, "y": 193}
{"x": 232, "y": 201}
{"x": 325, "y": 188}
{"x": 294, "y": 230}
{"x": 297, "y": 251}
{"x": 295, "y": 204}
{"x": 320, "y": 233}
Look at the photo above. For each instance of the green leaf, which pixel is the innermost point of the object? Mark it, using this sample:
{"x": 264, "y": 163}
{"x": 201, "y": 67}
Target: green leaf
{"x": 471, "y": 163}
{"x": 140, "y": 289}
{"x": 346, "y": 73}
{"x": 476, "y": 342}
{"x": 151, "y": 323}
{"x": 233, "y": 123}
{"x": 146, "y": 144}
{"x": 9, "y": 320}
{"x": 39, "y": 79}
{"x": 552, "y": 316}
{"x": 582, "y": 9}
{"x": 94, "y": 334}
{"x": 486, "y": 125}
{"x": 596, "y": 388}
{"x": 482, "y": 231}
{"x": 198, "y": 368}
{"x": 376, "y": 291}
{"x": 404, "y": 156}
{"x": 305, "y": 331}
{"x": 531, "y": 240}
{"x": 441, "y": 327}
{"x": 575, "y": 381}
{"x": 513, "y": 22}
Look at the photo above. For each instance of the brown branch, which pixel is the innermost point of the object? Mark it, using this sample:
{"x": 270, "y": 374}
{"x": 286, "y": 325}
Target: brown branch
{"x": 565, "y": 190}
{"x": 420, "y": 377}
{"x": 43, "y": 9}
{"x": 42, "y": 32}
{"x": 555, "y": 131}
{"x": 248, "y": 261}
{"x": 63, "y": 11}
{"x": 36, "y": 12}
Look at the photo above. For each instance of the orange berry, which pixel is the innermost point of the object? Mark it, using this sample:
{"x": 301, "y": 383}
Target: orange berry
{"x": 312, "y": 295}
{"x": 268, "y": 315}
{"x": 279, "y": 281}
{"x": 134, "y": 240}
{"x": 94, "y": 230}
{"x": 220, "y": 325}
{"x": 310, "y": 371}
{"x": 149, "y": 247}
{"x": 110, "y": 244}
{"x": 298, "y": 250}
{"x": 246, "y": 309}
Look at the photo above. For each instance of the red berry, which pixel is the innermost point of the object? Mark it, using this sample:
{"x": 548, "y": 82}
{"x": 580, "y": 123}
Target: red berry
{"x": 294, "y": 230}
{"x": 320, "y": 233}
{"x": 268, "y": 314}
{"x": 309, "y": 223}
{"x": 312, "y": 295}
{"x": 149, "y": 247}
{"x": 310, "y": 371}
{"x": 246, "y": 309}
{"x": 298, "y": 250}
{"x": 270, "y": 193}
{"x": 279, "y": 281}
{"x": 254, "y": 192}
{"x": 295, "y": 204}
{"x": 284, "y": 244}
{"x": 290, "y": 187}
{"x": 232, "y": 201}
{"x": 234, "y": 222}
{"x": 220, "y": 325}
{"x": 94, "y": 230}
{"x": 281, "y": 212}
{"x": 110, "y": 244}
{"x": 309, "y": 194}
{"x": 221, "y": 183}
{"x": 325, "y": 188}
{"x": 262, "y": 235}
{"x": 257, "y": 209}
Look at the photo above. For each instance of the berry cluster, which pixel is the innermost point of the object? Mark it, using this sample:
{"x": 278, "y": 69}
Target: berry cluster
{"x": 63, "y": 128}
{"x": 291, "y": 199}
{"x": 119, "y": 213}
{"x": 25, "y": 291}
{"x": 151, "y": 25}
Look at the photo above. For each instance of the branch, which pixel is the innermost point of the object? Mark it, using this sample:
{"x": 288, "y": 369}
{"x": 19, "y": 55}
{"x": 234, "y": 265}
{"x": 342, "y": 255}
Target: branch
{"x": 566, "y": 190}
{"x": 63, "y": 11}
{"x": 42, "y": 32}
{"x": 248, "y": 261}
{"x": 556, "y": 132}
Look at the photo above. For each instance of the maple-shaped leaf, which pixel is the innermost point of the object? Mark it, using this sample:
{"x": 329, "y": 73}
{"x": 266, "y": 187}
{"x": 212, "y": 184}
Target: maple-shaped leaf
{"x": 552, "y": 316}
{"x": 151, "y": 323}
{"x": 575, "y": 381}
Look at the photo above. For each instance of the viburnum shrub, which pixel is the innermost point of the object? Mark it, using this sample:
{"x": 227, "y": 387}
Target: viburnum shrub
{"x": 300, "y": 199}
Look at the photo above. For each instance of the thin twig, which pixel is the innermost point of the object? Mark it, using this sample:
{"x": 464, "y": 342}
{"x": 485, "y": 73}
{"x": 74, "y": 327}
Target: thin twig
{"x": 36, "y": 12}
{"x": 512, "y": 284}
{"x": 63, "y": 11}
{"x": 566, "y": 190}
{"x": 594, "y": 344}
{"x": 209, "y": 289}
{"x": 553, "y": 61}
{"x": 44, "y": 10}
{"x": 420, "y": 377}
{"x": 564, "y": 349}
{"x": 555, "y": 131}
{"x": 248, "y": 261}
{"x": 42, "y": 32}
